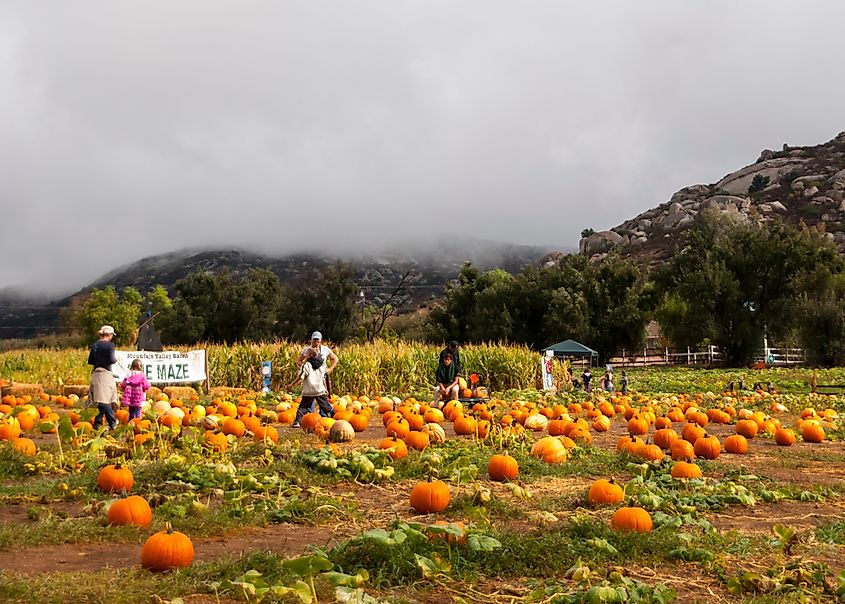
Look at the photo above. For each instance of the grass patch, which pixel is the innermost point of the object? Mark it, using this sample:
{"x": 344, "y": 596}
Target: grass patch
{"x": 832, "y": 533}
{"x": 130, "y": 585}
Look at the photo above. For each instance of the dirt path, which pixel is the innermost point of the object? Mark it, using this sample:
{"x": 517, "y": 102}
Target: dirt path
{"x": 762, "y": 517}
{"x": 284, "y": 539}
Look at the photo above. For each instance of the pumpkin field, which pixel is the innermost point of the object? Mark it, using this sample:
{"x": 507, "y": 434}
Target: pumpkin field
{"x": 677, "y": 491}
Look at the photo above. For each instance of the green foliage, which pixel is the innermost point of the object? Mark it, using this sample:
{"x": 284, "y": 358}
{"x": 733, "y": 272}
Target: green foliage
{"x": 586, "y": 232}
{"x": 324, "y": 301}
{"x": 758, "y": 183}
{"x": 108, "y": 307}
{"x": 597, "y": 303}
{"x": 822, "y": 328}
{"x": 733, "y": 281}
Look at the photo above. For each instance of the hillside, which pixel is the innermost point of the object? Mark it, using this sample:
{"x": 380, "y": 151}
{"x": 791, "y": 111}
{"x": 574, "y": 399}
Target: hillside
{"x": 796, "y": 185}
{"x": 21, "y": 317}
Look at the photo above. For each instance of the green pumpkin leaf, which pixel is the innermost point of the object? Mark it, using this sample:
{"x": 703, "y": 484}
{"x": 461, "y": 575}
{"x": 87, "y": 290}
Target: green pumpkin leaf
{"x": 482, "y": 543}
{"x": 305, "y": 566}
{"x": 602, "y": 545}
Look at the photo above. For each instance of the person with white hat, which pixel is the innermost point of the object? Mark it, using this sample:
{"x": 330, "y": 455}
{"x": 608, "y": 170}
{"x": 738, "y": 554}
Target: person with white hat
{"x": 103, "y": 390}
{"x": 321, "y": 361}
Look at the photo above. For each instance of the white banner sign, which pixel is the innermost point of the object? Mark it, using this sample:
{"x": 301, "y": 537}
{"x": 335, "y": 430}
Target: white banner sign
{"x": 163, "y": 367}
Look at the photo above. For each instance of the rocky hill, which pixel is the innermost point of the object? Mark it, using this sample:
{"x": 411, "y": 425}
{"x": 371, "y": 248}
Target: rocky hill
{"x": 796, "y": 184}
{"x": 21, "y": 317}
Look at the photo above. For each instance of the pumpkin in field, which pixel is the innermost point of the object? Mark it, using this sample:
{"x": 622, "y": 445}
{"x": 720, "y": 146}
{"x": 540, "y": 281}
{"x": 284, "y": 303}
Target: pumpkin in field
{"x": 683, "y": 469}
{"x": 637, "y": 425}
{"x": 10, "y": 429}
{"x": 736, "y": 444}
{"x": 341, "y": 431}
{"x": 550, "y": 449}
{"x": 24, "y": 445}
{"x": 217, "y": 441}
{"x": 115, "y": 478}
{"x": 359, "y": 421}
{"x": 651, "y": 452}
{"x": 450, "y": 538}
{"x": 536, "y": 422}
{"x": 397, "y": 449}
{"x": 430, "y": 497}
{"x": 464, "y": 425}
{"x": 681, "y": 449}
{"x": 747, "y": 428}
{"x": 708, "y": 447}
{"x": 784, "y": 437}
{"x": 166, "y": 550}
{"x": 417, "y": 440}
{"x": 398, "y": 427}
{"x": 605, "y": 492}
{"x": 266, "y": 433}
{"x": 309, "y": 421}
{"x": 436, "y": 433}
{"x": 131, "y": 510}
{"x": 812, "y": 433}
{"x": 664, "y": 437}
{"x": 632, "y": 519}
{"x": 233, "y": 426}
{"x": 502, "y": 467}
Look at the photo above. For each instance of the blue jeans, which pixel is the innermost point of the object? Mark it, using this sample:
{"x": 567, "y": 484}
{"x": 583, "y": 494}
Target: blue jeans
{"x": 105, "y": 410}
{"x": 307, "y": 405}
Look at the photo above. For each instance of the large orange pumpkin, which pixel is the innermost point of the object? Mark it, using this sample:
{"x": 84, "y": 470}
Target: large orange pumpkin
{"x": 502, "y": 467}
{"x": 632, "y": 519}
{"x": 131, "y": 510}
{"x": 430, "y": 497}
{"x": 115, "y": 478}
{"x": 605, "y": 492}
{"x": 166, "y": 550}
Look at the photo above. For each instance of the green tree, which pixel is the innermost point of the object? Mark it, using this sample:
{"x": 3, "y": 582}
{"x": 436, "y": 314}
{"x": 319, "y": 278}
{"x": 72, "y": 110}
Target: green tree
{"x": 758, "y": 183}
{"x": 324, "y": 301}
{"x": 599, "y": 304}
{"x": 108, "y": 307}
{"x": 821, "y": 330}
{"x": 733, "y": 282}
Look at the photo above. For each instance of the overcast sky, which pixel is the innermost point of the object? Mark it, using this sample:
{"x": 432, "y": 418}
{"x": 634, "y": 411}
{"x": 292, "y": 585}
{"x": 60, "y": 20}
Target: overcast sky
{"x": 129, "y": 129}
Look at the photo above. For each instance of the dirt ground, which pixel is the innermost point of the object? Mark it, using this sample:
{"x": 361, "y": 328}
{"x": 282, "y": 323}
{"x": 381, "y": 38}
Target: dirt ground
{"x": 801, "y": 465}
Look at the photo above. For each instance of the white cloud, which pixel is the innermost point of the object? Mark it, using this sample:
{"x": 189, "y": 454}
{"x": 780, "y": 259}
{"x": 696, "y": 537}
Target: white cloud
{"x": 132, "y": 128}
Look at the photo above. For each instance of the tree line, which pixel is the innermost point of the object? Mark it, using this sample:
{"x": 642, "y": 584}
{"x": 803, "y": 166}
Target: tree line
{"x": 728, "y": 284}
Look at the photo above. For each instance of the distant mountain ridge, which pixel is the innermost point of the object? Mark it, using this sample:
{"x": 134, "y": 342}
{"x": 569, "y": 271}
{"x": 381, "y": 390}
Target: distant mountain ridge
{"x": 798, "y": 185}
{"x": 377, "y": 275}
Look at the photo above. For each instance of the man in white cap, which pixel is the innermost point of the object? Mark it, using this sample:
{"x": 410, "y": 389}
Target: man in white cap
{"x": 103, "y": 390}
{"x": 322, "y": 362}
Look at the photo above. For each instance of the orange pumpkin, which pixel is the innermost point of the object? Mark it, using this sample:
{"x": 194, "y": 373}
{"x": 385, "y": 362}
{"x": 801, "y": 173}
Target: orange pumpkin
{"x": 502, "y": 467}
{"x": 605, "y": 492}
{"x": 166, "y": 550}
{"x": 632, "y": 519}
{"x": 132, "y": 510}
{"x": 115, "y": 478}
{"x": 430, "y": 497}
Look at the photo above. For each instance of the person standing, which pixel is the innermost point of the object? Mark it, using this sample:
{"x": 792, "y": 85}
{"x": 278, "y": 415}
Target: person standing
{"x": 315, "y": 363}
{"x": 623, "y": 383}
{"x": 452, "y": 349}
{"x": 586, "y": 377}
{"x": 446, "y": 376}
{"x": 135, "y": 386}
{"x": 103, "y": 389}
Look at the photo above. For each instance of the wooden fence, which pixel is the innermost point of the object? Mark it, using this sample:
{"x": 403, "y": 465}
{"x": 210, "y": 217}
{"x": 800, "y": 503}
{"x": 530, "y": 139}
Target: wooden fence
{"x": 709, "y": 356}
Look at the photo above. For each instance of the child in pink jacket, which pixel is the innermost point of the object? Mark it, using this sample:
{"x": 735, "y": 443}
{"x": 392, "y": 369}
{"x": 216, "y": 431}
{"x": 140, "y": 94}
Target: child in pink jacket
{"x": 135, "y": 386}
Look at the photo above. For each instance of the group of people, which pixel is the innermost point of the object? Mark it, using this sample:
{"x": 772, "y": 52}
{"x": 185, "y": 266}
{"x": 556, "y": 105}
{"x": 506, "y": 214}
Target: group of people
{"x": 606, "y": 381}
{"x": 102, "y": 391}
